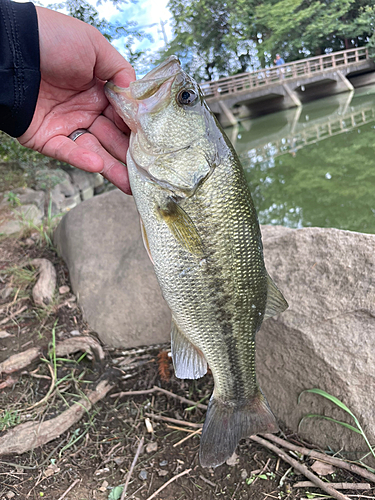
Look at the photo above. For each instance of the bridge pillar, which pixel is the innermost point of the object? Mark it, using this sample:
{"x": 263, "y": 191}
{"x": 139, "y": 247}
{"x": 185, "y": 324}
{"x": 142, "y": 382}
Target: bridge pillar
{"x": 345, "y": 81}
{"x": 292, "y": 95}
{"x": 228, "y": 113}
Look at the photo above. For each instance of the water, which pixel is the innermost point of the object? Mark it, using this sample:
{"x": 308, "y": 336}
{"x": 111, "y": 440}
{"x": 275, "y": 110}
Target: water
{"x": 313, "y": 166}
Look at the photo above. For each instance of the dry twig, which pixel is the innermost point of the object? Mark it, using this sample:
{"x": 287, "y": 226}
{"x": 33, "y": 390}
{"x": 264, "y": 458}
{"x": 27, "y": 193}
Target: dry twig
{"x": 191, "y": 434}
{"x": 337, "y": 462}
{"x": 169, "y": 482}
{"x": 140, "y": 444}
{"x": 301, "y": 468}
{"x": 70, "y": 488}
{"x": 337, "y": 486}
{"x": 174, "y": 420}
{"x": 163, "y": 391}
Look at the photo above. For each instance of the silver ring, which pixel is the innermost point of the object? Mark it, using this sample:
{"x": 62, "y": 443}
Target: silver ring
{"x": 77, "y": 133}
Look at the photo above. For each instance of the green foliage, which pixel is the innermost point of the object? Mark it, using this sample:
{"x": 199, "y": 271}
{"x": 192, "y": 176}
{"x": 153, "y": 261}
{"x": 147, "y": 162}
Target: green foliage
{"x": 213, "y": 38}
{"x": 218, "y": 38}
{"x": 298, "y": 28}
{"x": 343, "y": 406}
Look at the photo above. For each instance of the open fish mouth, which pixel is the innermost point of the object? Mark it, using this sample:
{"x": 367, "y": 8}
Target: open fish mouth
{"x": 150, "y": 84}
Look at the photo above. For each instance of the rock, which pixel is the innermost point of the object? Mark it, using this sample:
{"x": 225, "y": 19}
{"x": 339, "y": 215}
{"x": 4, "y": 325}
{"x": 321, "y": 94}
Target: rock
{"x": 151, "y": 447}
{"x": 143, "y": 475}
{"x": 26, "y": 196}
{"x": 20, "y": 218}
{"x": 326, "y": 337}
{"x": 64, "y": 289}
{"x": 111, "y": 273}
{"x": 86, "y": 182}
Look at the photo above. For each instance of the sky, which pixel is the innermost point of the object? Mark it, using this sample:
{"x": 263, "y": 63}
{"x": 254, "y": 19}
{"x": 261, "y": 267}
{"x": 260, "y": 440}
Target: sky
{"x": 145, "y": 13}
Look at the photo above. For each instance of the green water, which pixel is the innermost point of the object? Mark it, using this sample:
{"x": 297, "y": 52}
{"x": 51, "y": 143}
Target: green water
{"x": 315, "y": 165}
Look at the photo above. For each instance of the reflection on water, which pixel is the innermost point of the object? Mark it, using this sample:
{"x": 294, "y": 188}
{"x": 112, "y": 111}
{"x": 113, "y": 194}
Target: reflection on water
{"x": 314, "y": 165}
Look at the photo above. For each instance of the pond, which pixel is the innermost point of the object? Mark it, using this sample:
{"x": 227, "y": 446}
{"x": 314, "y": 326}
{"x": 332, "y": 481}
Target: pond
{"x": 313, "y": 166}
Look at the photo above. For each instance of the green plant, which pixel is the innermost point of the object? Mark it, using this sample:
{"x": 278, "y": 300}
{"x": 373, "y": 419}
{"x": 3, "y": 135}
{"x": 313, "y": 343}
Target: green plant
{"x": 8, "y": 419}
{"x": 13, "y": 199}
{"x": 358, "y": 429}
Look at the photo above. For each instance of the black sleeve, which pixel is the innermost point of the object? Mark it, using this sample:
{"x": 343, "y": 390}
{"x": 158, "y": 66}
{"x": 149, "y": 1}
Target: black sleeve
{"x": 19, "y": 66}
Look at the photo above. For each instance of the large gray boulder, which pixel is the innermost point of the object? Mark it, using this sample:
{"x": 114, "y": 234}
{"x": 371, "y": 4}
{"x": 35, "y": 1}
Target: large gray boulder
{"x": 324, "y": 340}
{"x": 110, "y": 271}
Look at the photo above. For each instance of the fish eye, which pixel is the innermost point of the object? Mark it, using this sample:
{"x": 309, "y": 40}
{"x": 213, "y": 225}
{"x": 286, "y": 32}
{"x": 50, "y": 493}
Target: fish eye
{"x": 187, "y": 96}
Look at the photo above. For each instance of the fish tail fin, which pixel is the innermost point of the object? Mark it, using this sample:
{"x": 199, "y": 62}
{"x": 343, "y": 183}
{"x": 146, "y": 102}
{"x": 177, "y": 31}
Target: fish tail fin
{"x": 228, "y": 422}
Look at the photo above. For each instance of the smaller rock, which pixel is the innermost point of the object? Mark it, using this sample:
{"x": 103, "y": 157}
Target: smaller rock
{"x": 64, "y": 289}
{"x": 6, "y": 292}
{"x": 143, "y": 475}
{"x": 151, "y": 447}
{"x": 10, "y": 494}
{"x": 119, "y": 460}
{"x": 75, "y": 333}
{"x": 29, "y": 242}
{"x": 163, "y": 463}
{"x": 162, "y": 472}
{"x": 233, "y": 460}
{"x": 243, "y": 474}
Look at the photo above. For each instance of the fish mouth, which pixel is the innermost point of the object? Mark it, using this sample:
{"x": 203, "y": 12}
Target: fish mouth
{"x": 150, "y": 84}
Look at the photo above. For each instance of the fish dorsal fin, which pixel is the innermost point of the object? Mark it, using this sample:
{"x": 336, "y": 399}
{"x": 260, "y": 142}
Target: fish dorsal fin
{"x": 276, "y": 303}
{"x": 181, "y": 226}
{"x": 188, "y": 360}
{"x": 145, "y": 240}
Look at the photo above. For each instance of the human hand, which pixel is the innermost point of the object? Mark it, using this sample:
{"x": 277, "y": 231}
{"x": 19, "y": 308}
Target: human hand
{"x": 75, "y": 62}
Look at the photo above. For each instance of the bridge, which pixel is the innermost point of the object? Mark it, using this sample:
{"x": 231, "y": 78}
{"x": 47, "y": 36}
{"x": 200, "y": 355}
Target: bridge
{"x": 289, "y": 85}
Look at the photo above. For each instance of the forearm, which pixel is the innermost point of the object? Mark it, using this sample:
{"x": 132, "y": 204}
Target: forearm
{"x": 19, "y": 66}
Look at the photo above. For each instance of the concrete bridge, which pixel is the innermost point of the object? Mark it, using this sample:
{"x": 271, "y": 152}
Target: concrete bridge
{"x": 289, "y": 85}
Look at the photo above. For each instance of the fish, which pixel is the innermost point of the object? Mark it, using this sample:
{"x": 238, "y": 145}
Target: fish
{"x": 201, "y": 231}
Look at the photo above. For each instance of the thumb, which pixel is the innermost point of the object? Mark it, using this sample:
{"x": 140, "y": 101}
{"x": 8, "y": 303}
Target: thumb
{"x": 110, "y": 65}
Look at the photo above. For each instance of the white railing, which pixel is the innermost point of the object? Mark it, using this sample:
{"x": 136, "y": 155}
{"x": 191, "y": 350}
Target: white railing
{"x": 246, "y": 82}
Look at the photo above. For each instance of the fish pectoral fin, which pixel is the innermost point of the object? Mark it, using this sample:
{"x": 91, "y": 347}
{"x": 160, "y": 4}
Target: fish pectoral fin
{"x": 188, "y": 360}
{"x": 181, "y": 226}
{"x": 229, "y": 421}
{"x": 276, "y": 303}
{"x": 145, "y": 240}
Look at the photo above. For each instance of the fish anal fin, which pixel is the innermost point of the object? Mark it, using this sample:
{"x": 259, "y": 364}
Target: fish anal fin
{"x": 228, "y": 422}
{"x": 276, "y": 303}
{"x": 145, "y": 240}
{"x": 181, "y": 226}
{"x": 188, "y": 360}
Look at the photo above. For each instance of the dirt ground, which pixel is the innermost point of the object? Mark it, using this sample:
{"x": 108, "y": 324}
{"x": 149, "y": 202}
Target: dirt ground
{"x": 93, "y": 458}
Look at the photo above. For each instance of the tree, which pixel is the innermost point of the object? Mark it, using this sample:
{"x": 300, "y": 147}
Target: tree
{"x": 214, "y": 38}
{"x": 304, "y": 28}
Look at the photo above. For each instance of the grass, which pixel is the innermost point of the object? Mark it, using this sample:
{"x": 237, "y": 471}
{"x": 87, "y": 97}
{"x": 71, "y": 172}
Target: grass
{"x": 358, "y": 429}
{"x": 8, "y": 419}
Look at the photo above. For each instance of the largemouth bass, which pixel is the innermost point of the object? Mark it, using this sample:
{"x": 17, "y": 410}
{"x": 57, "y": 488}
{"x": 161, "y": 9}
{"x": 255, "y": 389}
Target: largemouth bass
{"x": 201, "y": 231}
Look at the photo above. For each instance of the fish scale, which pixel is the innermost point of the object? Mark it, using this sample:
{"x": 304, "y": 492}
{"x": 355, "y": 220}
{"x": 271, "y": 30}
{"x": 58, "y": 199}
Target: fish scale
{"x": 203, "y": 236}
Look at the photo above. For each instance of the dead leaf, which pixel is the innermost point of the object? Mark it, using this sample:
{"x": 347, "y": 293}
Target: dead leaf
{"x": 104, "y": 486}
{"x": 322, "y": 468}
{"x": 4, "y": 334}
{"x": 51, "y": 470}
